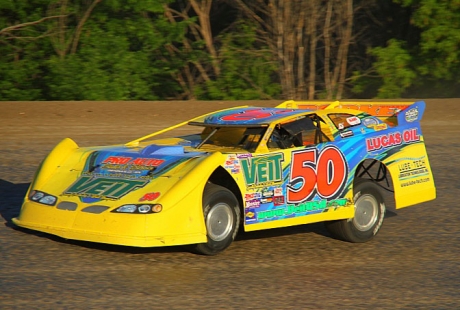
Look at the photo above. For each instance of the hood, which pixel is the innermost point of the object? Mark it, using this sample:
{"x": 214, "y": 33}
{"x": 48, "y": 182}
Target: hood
{"x": 113, "y": 172}
{"x": 147, "y": 162}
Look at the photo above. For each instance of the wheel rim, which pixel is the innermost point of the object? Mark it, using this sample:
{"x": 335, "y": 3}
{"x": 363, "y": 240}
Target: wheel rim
{"x": 219, "y": 222}
{"x": 366, "y": 212}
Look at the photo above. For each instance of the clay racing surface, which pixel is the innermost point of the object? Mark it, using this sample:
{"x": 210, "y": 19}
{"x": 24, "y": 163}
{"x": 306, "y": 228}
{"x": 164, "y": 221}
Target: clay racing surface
{"x": 414, "y": 262}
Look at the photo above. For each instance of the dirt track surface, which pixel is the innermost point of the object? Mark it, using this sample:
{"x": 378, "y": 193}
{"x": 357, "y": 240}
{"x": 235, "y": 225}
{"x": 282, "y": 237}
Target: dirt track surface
{"x": 414, "y": 262}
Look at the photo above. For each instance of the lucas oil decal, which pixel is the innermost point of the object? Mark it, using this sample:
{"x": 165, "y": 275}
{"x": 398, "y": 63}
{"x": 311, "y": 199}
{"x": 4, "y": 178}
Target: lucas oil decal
{"x": 392, "y": 139}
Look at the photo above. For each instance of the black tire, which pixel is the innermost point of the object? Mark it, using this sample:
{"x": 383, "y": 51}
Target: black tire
{"x": 222, "y": 217}
{"x": 369, "y": 215}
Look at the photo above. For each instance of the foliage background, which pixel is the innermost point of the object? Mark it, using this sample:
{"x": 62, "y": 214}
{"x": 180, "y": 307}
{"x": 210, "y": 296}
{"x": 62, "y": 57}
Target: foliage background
{"x": 228, "y": 49}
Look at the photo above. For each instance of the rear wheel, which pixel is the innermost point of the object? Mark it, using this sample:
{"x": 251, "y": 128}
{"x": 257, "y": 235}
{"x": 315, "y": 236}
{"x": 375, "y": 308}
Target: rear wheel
{"x": 222, "y": 217}
{"x": 369, "y": 215}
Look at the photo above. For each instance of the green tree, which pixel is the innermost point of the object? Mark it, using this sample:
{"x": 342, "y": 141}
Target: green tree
{"x": 247, "y": 69}
{"x": 429, "y": 65}
{"x": 393, "y": 66}
{"x": 119, "y": 56}
{"x": 23, "y": 28}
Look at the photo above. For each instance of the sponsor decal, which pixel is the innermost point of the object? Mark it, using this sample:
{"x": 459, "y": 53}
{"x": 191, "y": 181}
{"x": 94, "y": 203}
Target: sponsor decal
{"x": 243, "y": 155}
{"x": 150, "y": 196}
{"x": 341, "y": 126}
{"x": 346, "y": 133}
{"x": 103, "y": 188}
{"x": 121, "y": 160}
{"x": 392, "y": 139}
{"x": 252, "y": 204}
{"x": 248, "y": 196}
{"x": 353, "y": 120}
{"x": 250, "y": 215}
{"x": 323, "y": 173}
{"x": 409, "y": 169}
{"x": 122, "y": 165}
{"x": 379, "y": 127}
{"x": 411, "y": 115}
{"x": 266, "y": 200}
{"x": 278, "y": 191}
{"x": 370, "y": 121}
{"x": 262, "y": 170}
{"x": 302, "y": 209}
{"x": 267, "y": 193}
{"x": 414, "y": 182}
{"x": 278, "y": 200}
{"x": 232, "y": 162}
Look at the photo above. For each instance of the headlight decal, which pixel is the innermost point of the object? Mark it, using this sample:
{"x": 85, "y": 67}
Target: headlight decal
{"x": 139, "y": 208}
{"x": 43, "y": 198}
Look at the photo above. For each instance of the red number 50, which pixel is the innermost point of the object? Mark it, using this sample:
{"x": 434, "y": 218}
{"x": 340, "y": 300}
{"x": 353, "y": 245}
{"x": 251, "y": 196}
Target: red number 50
{"x": 324, "y": 173}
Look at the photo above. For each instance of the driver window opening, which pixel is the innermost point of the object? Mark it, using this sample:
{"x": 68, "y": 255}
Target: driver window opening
{"x": 301, "y": 132}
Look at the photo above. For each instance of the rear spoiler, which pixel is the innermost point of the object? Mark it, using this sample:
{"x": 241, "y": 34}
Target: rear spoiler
{"x": 404, "y": 111}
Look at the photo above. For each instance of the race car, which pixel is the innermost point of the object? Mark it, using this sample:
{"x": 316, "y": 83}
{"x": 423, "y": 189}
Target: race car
{"x": 247, "y": 167}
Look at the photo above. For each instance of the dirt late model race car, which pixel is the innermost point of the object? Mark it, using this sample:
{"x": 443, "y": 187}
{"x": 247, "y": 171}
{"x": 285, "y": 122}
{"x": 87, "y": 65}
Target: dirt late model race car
{"x": 249, "y": 167}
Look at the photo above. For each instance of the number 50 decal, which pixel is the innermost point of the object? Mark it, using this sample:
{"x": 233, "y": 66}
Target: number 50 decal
{"x": 313, "y": 172}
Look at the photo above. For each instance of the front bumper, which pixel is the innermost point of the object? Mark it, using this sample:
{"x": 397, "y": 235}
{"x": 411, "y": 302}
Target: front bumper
{"x": 139, "y": 230}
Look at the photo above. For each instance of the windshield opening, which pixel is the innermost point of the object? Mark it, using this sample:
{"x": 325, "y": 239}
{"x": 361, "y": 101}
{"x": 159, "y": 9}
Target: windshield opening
{"x": 234, "y": 137}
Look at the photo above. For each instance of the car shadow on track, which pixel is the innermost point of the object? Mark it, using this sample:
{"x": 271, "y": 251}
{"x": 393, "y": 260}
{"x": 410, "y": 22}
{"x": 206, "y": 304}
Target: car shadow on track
{"x": 11, "y": 197}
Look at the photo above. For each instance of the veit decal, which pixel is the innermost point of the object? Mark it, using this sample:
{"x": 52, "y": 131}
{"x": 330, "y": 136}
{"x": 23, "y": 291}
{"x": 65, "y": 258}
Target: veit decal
{"x": 104, "y": 188}
{"x": 262, "y": 169}
{"x": 392, "y": 139}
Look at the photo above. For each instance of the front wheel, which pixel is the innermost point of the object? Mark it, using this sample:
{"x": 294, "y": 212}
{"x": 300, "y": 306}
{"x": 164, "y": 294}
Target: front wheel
{"x": 222, "y": 218}
{"x": 369, "y": 215}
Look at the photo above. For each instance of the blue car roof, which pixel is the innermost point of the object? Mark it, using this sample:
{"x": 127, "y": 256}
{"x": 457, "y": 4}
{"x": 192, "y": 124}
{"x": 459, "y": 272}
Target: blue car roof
{"x": 249, "y": 116}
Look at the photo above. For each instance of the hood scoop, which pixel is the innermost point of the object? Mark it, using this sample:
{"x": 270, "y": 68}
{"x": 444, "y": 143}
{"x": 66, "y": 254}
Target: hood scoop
{"x": 162, "y": 150}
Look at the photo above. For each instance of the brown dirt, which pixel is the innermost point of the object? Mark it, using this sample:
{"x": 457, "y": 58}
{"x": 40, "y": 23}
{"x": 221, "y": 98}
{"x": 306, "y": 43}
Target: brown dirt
{"x": 413, "y": 263}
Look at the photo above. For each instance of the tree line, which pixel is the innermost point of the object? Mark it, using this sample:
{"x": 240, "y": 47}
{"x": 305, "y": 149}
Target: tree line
{"x": 228, "y": 49}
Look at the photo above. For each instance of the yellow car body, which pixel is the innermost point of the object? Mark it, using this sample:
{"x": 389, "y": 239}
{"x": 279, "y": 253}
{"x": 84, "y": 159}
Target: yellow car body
{"x": 294, "y": 164}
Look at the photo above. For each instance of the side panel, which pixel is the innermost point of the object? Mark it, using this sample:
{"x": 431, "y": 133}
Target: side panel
{"x": 311, "y": 184}
{"x": 293, "y": 187}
